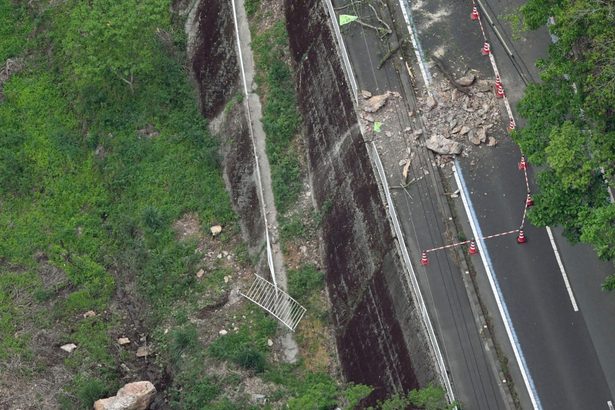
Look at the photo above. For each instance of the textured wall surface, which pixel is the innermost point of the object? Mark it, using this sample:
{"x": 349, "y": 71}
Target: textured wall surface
{"x": 216, "y": 70}
{"x": 380, "y": 341}
{"x": 214, "y": 63}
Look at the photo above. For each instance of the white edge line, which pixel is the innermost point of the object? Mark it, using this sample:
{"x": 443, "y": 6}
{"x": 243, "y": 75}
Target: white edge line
{"x": 484, "y": 254}
{"x": 257, "y": 162}
{"x": 412, "y": 277}
{"x": 418, "y": 50}
{"x": 342, "y": 47}
{"x": 411, "y": 274}
{"x": 563, "y": 270}
{"x": 610, "y": 405}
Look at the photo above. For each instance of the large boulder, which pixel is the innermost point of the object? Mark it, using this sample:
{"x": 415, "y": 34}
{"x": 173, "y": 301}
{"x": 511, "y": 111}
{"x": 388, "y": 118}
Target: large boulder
{"x": 133, "y": 396}
{"x": 444, "y": 146}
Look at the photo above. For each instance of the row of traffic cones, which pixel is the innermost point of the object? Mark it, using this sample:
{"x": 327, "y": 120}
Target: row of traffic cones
{"x": 473, "y": 250}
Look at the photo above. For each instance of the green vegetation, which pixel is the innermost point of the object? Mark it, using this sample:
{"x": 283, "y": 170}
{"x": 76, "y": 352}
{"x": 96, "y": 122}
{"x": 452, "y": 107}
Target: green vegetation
{"x": 428, "y": 398}
{"x": 87, "y": 199}
{"x": 570, "y": 129}
{"x": 304, "y": 282}
{"x": 280, "y": 116}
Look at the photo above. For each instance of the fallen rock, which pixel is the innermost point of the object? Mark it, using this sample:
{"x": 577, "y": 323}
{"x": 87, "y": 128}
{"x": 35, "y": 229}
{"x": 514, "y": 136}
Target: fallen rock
{"x": 89, "y": 313}
{"x": 123, "y": 341}
{"x": 431, "y": 102}
{"x": 482, "y": 134}
{"x": 464, "y": 130}
{"x": 483, "y": 86}
{"x": 366, "y": 94}
{"x": 269, "y": 342}
{"x": 200, "y": 273}
{"x": 492, "y": 142}
{"x": 466, "y": 80}
{"x": 148, "y": 132}
{"x": 133, "y": 396}
{"x": 376, "y": 102}
{"x": 444, "y": 146}
{"x": 69, "y": 347}
{"x": 143, "y": 351}
{"x": 222, "y": 332}
{"x": 215, "y": 230}
{"x": 474, "y": 138}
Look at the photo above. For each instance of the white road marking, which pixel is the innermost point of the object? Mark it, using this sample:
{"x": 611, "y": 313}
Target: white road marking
{"x": 495, "y": 287}
{"x": 512, "y": 336}
{"x": 561, "y": 268}
{"x": 610, "y": 404}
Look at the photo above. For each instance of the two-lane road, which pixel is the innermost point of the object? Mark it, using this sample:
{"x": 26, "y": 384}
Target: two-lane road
{"x": 567, "y": 352}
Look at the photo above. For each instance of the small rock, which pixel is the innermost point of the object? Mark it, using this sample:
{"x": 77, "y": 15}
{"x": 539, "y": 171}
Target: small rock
{"x": 143, "y": 351}
{"x": 303, "y": 249}
{"x": 389, "y": 134}
{"x": 452, "y": 123}
{"x": 466, "y": 80}
{"x": 366, "y": 94}
{"x": 454, "y": 95}
{"x": 89, "y": 313}
{"x": 473, "y": 138}
{"x": 69, "y": 347}
{"x": 148, "y": 132}
{"x": 215, "y": 230}
{"x": 269, "y": 342}
{"x": 483, "y": 86}
{"x": 482, "y": 134}
{"x": 222, "y": 332}
{"x": 227, "y": 278}
{"x": 368, "y": 118}
{"x": 431, "y": 102}
{"x": 491, "y": 142}
{"x": 123, "y": 341}
{"x": 464, "y": 130}
{"x": 418, "y": 132}
{"x": 200, "y": 273}
{"x": 219, "y": 256}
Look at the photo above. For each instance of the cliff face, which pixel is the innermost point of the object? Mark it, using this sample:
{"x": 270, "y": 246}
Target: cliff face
{"x": 380, "y": 341}
{"x": 379, "y": 337}
{"x": 214, "y": 63}
{"x": 216, "y": 70}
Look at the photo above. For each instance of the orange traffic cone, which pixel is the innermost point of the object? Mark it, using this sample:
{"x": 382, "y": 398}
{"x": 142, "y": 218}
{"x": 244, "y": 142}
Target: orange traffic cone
{"x": 424, "y": 259}
{"x": 499, "y": 87}
{"x": 474, "y": 15}
{"x": 486, "y": 49}
{"x": 522, "y": 164}
{"x": 521, "y": 238}
{"x": 511, "y": 125}
{"x": 473, "y": 249}
{"x": 529, "y": 201}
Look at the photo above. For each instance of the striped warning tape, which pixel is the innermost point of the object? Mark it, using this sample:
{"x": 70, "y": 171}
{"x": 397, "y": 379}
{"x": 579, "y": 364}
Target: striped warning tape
{"x": 452, "y": 245}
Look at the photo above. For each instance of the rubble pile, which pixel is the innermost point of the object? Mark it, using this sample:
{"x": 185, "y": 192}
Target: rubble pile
{"x": 460, "y": 118}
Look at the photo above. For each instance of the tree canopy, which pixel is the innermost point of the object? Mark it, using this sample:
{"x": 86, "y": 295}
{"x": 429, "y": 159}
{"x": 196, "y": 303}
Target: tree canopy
{"x": 570, "y": 129}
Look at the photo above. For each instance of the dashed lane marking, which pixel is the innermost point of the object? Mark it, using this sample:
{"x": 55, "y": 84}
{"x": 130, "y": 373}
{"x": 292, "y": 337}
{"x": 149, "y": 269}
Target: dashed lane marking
{"x": 563, "y": 270}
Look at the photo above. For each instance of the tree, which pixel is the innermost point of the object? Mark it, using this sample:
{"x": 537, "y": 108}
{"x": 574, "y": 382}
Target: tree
{"x": 570, "y": 131}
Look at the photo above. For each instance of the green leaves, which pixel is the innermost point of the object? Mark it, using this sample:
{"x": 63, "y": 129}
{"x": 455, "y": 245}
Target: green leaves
{"x": 570, "y": 123}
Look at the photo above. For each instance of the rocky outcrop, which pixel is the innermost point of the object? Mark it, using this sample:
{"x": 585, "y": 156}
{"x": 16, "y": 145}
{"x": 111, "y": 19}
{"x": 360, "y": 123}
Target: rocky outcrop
{"x": 133, "y": 396}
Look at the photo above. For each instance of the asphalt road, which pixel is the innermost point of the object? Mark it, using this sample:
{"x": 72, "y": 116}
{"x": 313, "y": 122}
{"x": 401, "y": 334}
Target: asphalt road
{"x": 569, "y": 354}
{"x": 423, "y": 218}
